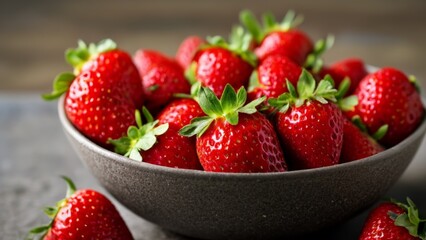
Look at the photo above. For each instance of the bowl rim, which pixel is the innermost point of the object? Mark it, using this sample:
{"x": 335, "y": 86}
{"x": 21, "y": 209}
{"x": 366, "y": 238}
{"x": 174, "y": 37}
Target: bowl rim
{"x": 71, "y": 130}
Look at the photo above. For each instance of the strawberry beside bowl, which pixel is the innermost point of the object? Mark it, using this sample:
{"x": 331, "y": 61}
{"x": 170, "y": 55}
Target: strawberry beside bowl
{"x": 244, "y": 206}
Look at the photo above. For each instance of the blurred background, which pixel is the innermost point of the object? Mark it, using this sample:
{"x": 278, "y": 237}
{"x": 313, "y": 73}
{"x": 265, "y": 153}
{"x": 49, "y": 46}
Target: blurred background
{"x": 34, "y": 34}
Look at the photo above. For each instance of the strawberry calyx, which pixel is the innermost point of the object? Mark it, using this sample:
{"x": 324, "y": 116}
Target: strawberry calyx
{"x": 346, "y": 103}
{"x": 249, "y": 21}
{"x": 51, "y": 212}
{"x": 314, "y": 60}
{"x": 61, "y": 84}
{"x": 306, "y": 91}
{"x": 379, "y": 134}
{"x": 139, "y": 138}
{"x": 228, "y": 107}
{"x": 239, "y": 43}
{"x": 77, "y": 57}
{"x": 410, "y": 219}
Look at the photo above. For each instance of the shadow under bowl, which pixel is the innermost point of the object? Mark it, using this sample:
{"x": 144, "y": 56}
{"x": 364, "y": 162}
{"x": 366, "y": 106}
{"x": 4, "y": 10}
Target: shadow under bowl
{"x": 244, "y": 205}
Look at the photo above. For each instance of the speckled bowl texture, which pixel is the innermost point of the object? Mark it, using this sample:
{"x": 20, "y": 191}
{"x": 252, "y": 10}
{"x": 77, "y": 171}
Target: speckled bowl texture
{"x": 245, "y": 206}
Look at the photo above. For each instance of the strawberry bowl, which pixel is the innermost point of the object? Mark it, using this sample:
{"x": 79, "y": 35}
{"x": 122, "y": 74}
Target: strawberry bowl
{"x": 244, "y": 206}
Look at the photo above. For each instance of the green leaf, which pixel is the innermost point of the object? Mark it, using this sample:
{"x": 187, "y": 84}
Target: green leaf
{"x": 146, "y": 141}
{"x": 269, "y": 22}
{"x": 149, "y": 118}
{"x": 197, "y": 126}
{"x": 70, "y": 186}
{"x": 359, "y": 123}
{"x": 306, "y": 85}
{"x": 41, "y": 229}
{"x": 61, "y": 84}
{"x": 209, "y": 103}
{"x": 348, "y": 103}
{"x": 343, "y": 87}
{"x": 133, "y": 132}
{"x": 232, "y": 118}
{"x": 254, "y": 81}
{"x": 403, "y": 221}
{"x": 190, "y": 73}
{"x": 251, "y": 106}
{"x": 134, "y": 154}
{"x": 105, "y": 46}
{"x": 121, "y": 145}
{"x": 248, "y": 19}
{"x": 381, "y": 132}
{"x": 138, "y": 118}
{"x": 291, "y": 89}
{"x": 241, "y": 97}
{"x": 287, "y": 21}
{"x": 78, "y": 56}
{"x": 161, "y": 129}
{"x": 228, "y": 100}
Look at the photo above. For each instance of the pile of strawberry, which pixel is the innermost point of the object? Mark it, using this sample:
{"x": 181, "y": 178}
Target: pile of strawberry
{"x": 263, "y": 101}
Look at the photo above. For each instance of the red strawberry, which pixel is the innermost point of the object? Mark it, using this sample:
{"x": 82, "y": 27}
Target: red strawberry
{"x": 310, "y": 127}
{"x": 353, "y": 68}
{"x": 220, "y": 63}
{"x": 101, "y": 99}
{"x": 146, "y": 59}
{"x": 278, "y": 38}
{"x": 83, "y": 214}
{"x": 180, "y": 112}
{"x": 388, "y": 97}
{"x": 394, "y": 220}
{"x": 233, "y": 137}
{"x": 187, "y": 50}
{"x": 161, "y": 78}
{"x": 357, "y": 144}
{"x": 271, "y": 75}
{"x": 158, "y": 144}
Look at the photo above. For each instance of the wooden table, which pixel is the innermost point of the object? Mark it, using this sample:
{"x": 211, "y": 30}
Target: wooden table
{"x": 34, "y": 34}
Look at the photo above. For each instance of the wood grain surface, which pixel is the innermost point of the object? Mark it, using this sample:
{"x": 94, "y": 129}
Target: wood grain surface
{"x": 34, "y": 34}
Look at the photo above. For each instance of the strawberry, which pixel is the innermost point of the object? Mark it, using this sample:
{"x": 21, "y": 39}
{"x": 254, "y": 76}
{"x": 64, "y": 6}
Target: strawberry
{"x": 388, "y": 98}
{"x": 180, "y": 112}
{"x": 278, "y": 38}
{"x": 356, "y": 143}
{"x": 162, "y": 77}
{"x": 234, "y": 137}
{"x": 220, "y": 63}
{"x": 187, "y": 50}
{"x": 102, "y": 94}
{"x": 157, "y": 144}
{"x": 394, "y": 220}
{"x": 309, "y": 125}
{"x": 353, "y": 68}
{"x": 83, "y": 214}
{"x": 271, "y": 75}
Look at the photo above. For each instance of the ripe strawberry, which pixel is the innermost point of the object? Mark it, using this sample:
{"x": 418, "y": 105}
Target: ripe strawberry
{"x": 157, "y": 144}
{"x": 219, "y": 63}
{"x": 271, "y": 75}
{"x": 146, "y": 59}
{"x": 278, "y": 38}
{"x": 394, "y": 220}
{"x": 180, "y": 112}
{"x": 233, "y": 137}
{"x": 83, "y": 214}
{"x": 161, "y": 78}
{"x": 103, "y": 94}
{"x": 310, "y": 127}
{"x": 353, "y": 68}
{"x": 187, "y": 50}
{"x": 388, "y": 97}
{"x": 357, "y": 144}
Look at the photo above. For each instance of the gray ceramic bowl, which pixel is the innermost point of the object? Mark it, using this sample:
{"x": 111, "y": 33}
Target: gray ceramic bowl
{"x": 244, "y": 206}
